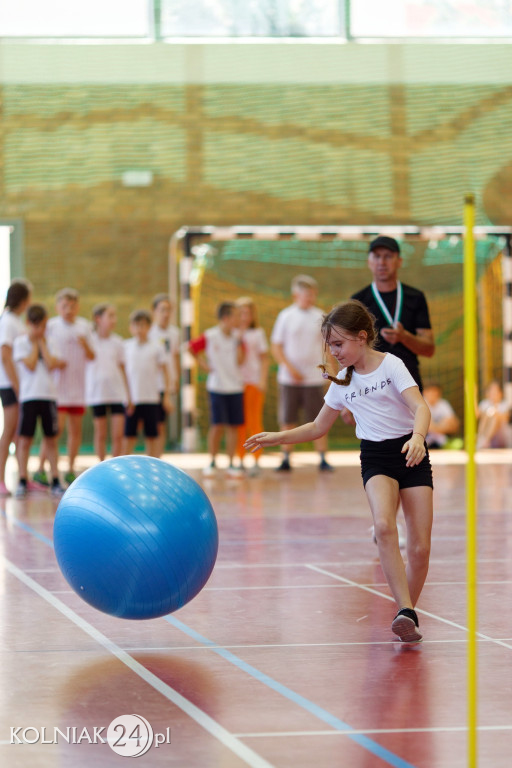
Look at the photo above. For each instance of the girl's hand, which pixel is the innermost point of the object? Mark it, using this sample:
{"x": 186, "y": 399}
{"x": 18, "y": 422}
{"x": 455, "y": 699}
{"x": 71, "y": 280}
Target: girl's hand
{"x": 262, "y": 439}
{"x": 414, "y": 450}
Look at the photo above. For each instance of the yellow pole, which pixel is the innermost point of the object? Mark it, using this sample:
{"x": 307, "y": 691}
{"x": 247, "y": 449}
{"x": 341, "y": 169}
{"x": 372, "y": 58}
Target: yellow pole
{"x": 470, "y": 384}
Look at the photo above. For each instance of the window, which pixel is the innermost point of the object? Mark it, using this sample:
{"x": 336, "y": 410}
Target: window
{"x": 70, "y": 18}
{"x": 251, "y": 18}
{"x": 431, "y": 18}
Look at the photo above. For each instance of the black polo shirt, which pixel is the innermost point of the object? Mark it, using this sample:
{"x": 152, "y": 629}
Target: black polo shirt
{"x": 414, "y": 315}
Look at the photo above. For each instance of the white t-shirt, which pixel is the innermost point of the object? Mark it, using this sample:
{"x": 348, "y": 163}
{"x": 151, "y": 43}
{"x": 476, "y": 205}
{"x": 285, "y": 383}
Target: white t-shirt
{"x": 37, "y": 384}
{"x": 298, "y": 331}
{"x": 225, "y": 375}
{"x": 441, "y": 410}
{"x": 10, "y": 328}
{"x": 104, "y": 381}
{"x": 256, "y": 345}
{"x": 375, "y": 400}
{"x": 143, "y": 363}
{"x": 70, "y": 381}
{"x": 169, "y": 338}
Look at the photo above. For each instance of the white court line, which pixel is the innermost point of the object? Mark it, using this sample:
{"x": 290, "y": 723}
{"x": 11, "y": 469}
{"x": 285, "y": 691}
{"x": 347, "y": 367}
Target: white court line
{"x": 339, "y": 586}
{"x": 418, "y": 610}
{"x": 245, "y": 753}
{"x": 372, "y": 732}
{"x": 350, "y": 563}
{"x": 42, "y": 570}
{"x": 265, "y": 646}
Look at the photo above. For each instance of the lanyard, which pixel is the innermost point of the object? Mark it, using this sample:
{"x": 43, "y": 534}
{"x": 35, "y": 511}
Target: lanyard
{"x": 392, "y": 321}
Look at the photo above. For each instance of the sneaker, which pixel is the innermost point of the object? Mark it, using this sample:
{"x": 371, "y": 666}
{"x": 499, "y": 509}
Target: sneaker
{"x": 21, "y": 491}
{"x": 254, "y": 471}
{"x": 406, "y": 626}
{"x": 41, "y": 478}
{"x": 4, "y": 491}
{"x": 57, "y": 490}
{"x": 69, "y": 477}
{"x": 235, "y": 472}
{"x": 402, "y": 539}
{"x": 324, "y": 466}
{"x": 209, "y": 471}
{"x": 284, "y": 466}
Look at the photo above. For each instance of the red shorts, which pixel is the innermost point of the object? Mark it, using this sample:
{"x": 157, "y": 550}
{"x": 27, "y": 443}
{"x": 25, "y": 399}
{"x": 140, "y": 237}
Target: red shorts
{"x": 73, "y": 410}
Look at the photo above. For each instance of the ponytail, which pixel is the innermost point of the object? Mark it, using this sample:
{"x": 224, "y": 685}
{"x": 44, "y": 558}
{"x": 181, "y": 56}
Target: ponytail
{"x": 343, "y": 382}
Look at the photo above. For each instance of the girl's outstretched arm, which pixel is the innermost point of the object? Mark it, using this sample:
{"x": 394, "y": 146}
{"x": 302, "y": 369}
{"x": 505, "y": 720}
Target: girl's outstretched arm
{"x": 303, "y": 434}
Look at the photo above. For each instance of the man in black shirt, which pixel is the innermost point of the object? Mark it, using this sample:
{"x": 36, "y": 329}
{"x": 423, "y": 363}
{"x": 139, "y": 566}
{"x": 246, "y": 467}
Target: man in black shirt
{"x": 401, "y": 311}
{"x": 402, "y": 318}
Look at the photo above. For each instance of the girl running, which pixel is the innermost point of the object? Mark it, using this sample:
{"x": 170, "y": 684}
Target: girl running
{"x": 392, "y": 420}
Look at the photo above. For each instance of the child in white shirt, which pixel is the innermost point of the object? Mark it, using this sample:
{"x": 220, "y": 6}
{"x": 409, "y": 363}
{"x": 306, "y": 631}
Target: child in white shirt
{"x": 36, "y": 358}
{"x": 11, "y": 326}
{"x": 144, "y": 361}
{"x": 106, "y": 385}
{"x": 72, "y": 335}
{"x": 220, "y": 352}
{"x": 168, "y": 336}
{"x": 392, "y": 420}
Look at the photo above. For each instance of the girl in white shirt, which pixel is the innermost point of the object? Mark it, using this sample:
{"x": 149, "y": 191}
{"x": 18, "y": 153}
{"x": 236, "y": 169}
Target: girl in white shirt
{"x": 11, "y": 326}
{"x": 106, "y": 387}
{"x": 392, "y": 420}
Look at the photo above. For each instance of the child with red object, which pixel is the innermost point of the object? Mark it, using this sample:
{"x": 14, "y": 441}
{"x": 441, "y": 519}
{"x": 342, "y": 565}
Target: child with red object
{"x": 220, "y": 353}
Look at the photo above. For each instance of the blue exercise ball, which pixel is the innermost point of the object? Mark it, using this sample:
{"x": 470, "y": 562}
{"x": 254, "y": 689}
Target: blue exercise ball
{"x": 135, "y": 537}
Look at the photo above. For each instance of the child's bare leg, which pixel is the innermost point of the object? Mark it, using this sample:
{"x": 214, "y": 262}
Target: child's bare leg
{"x": 382, "y": 494}
{"x": 152, "y": 447}
{"x": 162, "y": 426}
{"x": 129, "y": 444}
{"x": 74, "y": 438}
{"x": 52, "y": 452}
{"x": 214, "y": 438}
{"x": 100, "y": 436}
{"x": 22, "y": 454}
{"x": 11, "y": 414}
{"x": 417, "y": 504}
{"x": 117, "y": 433}
{"x": 231, "y": 441}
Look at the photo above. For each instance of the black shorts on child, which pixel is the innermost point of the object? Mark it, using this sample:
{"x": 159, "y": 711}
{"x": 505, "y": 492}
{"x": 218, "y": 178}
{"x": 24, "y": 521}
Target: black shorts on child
{"x": 46, "y": 410}
{"x": 8, "y": 397}
{"x": 386, "y": 458}
{"x": 226, "y": 408}
{"x": 99, "y": 411}
{"x": 148, "y": 414}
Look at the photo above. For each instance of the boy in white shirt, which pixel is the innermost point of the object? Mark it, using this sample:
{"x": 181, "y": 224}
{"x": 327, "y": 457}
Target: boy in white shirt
{"x": 168, "y": 336}
{"x": 72, "y": 336}
{"x": 297, "y": 345}
{"x": 144, "y": 361}
{"x": 221, "y": 353}
{"x": 35, "y": 360}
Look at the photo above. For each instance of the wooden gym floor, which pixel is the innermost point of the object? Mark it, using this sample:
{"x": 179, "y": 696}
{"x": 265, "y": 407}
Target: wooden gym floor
{"x": 286, "y": 658}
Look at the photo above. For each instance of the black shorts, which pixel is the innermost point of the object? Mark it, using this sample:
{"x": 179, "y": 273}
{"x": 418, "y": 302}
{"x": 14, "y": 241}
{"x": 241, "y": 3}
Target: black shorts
{"x": 98, "y": 411}
{"x": 148, "y": 414}
{"x": 385, "y": 458}
{"x": 226, "y": 409}
{"x": 8, "y": 397}
{"x": 46, "y": 410}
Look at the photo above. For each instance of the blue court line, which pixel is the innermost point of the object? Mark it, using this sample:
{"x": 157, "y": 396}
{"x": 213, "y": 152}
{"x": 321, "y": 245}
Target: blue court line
{"x": 28, "y": 529}
{"x": 322, "y": 714}
{"x": 381, "y": 752}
